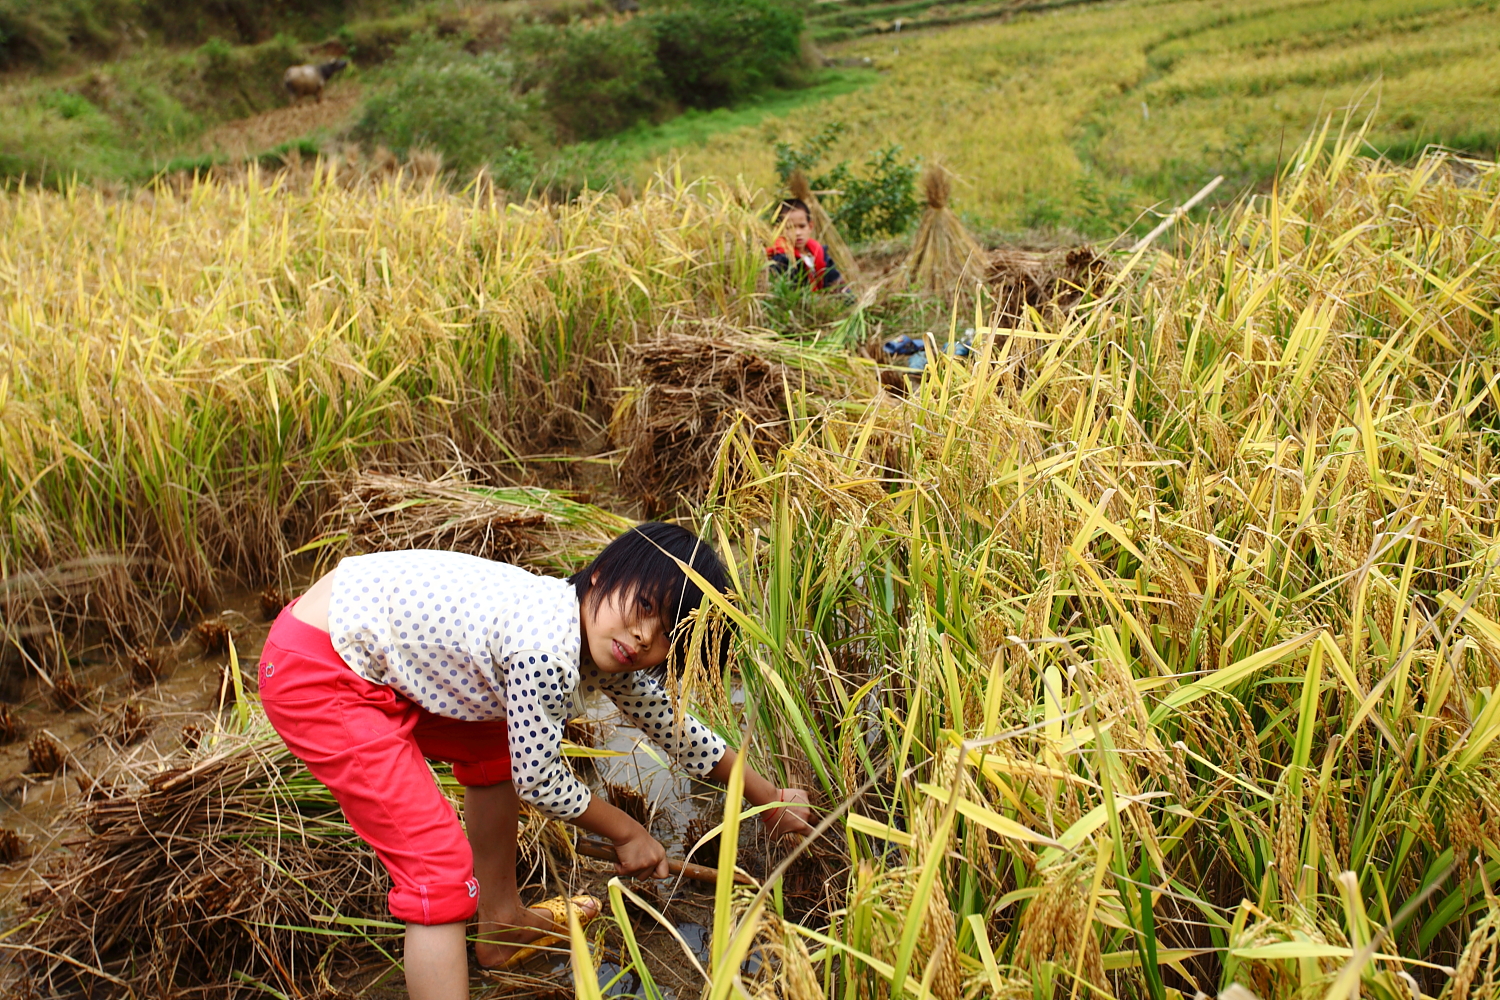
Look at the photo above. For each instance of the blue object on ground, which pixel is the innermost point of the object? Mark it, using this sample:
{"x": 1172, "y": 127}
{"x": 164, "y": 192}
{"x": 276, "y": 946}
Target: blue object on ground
{"x": 903, "y": 345}
{"x": 918, "y": 361}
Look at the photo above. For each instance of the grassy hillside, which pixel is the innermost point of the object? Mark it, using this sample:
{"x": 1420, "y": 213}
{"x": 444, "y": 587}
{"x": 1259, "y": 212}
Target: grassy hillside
{"x": 1055, "y": 115}
{"x": 1083, "y": 115}
{"x": 499, "y": 84}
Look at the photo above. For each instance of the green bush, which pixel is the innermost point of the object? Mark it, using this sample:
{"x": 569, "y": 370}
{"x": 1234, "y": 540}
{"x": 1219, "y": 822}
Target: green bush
{"x": 715, "y": 52}
{"x": 603, "y": 79}
{"x": 41, "y": 32}
{"x": 49, "y": 32}
{"x": 462, "y": 105}
{"x": 242, "y": 80}
{"x": 245, "y": 22}
{"x": 55, "y": 139}
{"x": 881, "y": 200}
{"x": 375, "y": 41}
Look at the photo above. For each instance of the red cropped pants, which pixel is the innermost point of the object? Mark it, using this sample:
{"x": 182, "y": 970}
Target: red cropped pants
{"x": 370, "y": 746}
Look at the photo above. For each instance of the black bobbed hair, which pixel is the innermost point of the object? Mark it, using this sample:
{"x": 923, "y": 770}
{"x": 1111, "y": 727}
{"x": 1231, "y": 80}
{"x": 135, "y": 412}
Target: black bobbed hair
{"x": 789, "y": 205}
{"x": 643, "y": 563}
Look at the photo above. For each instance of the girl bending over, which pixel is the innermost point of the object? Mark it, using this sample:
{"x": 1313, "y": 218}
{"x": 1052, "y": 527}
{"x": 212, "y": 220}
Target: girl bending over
{"x": 396, "y": 657}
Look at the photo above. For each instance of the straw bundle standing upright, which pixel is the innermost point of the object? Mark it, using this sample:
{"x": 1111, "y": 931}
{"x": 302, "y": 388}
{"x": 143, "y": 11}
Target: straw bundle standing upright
{"x": 943, "y": 249}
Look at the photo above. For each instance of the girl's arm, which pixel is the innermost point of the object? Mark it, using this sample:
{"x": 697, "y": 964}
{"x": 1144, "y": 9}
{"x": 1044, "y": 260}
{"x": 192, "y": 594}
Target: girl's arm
{"x": 782, "y": 821}
{"x": 636, "y": 851}
{"x": 693, "y": 745}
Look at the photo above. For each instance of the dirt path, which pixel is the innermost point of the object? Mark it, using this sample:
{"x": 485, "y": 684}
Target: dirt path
{"x": 247, "y": 136}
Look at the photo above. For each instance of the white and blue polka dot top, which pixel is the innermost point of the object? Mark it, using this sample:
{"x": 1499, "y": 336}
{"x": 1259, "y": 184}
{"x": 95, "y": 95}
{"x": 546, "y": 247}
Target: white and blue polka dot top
{"x": 475, "y": 640}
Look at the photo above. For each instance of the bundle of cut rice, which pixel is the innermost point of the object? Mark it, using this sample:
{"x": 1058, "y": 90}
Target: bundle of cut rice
{"x": 225, "y": 872}
{"x": 533, "y": 527}
{"x": 943, "y": 250}
{"x": 683, "y": 392}
{"x": 1018, "y": 279}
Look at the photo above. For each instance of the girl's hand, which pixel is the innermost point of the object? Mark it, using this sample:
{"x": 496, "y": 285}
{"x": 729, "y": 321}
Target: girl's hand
{"x": 640, "y": 855}
{"x": 789, "y": 820}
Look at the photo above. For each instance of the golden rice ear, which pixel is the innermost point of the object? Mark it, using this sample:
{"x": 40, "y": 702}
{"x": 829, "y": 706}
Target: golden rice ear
{"x": 799, "y": 187}
{"x": 693, "y": 676}
{"x": 936, "y": 186}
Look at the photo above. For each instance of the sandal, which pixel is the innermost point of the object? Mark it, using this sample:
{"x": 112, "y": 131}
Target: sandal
{"x": 558, "y": 908}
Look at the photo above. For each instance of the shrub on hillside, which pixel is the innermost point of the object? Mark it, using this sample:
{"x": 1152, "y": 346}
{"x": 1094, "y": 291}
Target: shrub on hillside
{"x": 40, "y": 32}
{"x": 465, "y": 106}
{"x": 242, "y": 80}
{"x": 716, "y": 52}
{"x": 881, "y": 200}
{"x": 602, "y": 79}
{"x": 55, "y": 139}
{"x": 244, "y": 22}
{"x": 49, "y": 32}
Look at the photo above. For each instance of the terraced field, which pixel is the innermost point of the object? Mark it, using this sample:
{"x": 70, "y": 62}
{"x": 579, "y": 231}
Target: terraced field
{"x": 836, "y": 20}
{"x": 1082, "y": 116}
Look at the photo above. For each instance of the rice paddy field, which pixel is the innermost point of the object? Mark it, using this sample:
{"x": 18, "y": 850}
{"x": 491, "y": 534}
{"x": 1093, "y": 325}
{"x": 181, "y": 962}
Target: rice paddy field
{"x": 1152, "y": 650}
{"x": 1083, "y": 115}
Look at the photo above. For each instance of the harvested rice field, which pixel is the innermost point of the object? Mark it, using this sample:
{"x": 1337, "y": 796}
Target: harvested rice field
{"x": 1144, "y": 647}
{"x": 1083, "y": 115}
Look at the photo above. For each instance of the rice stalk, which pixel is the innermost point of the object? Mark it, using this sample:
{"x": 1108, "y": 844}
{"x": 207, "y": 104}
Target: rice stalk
{"x": 184, "y": 372}
{"x": 1181, "y": 600}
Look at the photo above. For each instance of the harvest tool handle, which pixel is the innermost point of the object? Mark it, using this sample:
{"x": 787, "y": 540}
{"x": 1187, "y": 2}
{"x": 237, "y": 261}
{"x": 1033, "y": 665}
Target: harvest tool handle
{"x": 1176, "y": 213}
{"x": 700, "y": 873}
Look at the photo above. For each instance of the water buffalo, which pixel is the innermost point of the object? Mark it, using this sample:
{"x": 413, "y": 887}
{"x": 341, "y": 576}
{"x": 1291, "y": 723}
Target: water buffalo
{"x": 308, "y": 80}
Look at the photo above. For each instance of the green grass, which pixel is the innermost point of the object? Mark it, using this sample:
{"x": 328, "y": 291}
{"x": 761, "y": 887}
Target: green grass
{"x": 696, "y": 128}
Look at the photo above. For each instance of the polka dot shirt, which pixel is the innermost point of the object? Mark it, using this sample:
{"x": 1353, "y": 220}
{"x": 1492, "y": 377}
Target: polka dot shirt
{"x": 475, "y": 640}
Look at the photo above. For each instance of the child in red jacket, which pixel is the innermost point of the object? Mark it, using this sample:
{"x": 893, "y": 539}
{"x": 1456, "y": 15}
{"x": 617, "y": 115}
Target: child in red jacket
{"x": 796, "y": 253}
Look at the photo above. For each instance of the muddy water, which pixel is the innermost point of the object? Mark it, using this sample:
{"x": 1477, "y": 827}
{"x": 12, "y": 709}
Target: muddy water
{"x": 186, "y": 693}
{"x": 192, "y": 692}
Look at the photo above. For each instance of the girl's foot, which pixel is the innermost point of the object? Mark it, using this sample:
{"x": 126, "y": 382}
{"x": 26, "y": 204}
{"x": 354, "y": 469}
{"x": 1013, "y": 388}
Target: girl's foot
{"x": 511, "y": 939}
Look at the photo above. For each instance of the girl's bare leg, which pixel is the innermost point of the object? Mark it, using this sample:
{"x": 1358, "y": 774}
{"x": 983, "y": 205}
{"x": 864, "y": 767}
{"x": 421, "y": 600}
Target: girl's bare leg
{"x": 491, "y": 814}
{"x": 437, "y": 963}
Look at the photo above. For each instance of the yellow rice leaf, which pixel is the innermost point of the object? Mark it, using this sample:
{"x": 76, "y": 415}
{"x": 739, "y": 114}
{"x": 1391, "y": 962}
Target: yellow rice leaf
{"x": 1316, "y": 949}
{"x": 1486, "y": 727}
{"x": 987, "y": 818}
{"x": 574, "y": 750}
{"x": 1164, "y": 956}
{"x": 1096, "y": 521}
{"x": 874, "y": 828}
{"x": 992, "y": 765}
{"x": 1231, "y": 675}
{"x": 1074, "y": 836}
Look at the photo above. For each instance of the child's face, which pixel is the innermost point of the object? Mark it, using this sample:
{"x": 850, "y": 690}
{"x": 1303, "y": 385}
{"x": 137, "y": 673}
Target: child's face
{"x": 622, "y": 633}
{"x": 798, "y": 228}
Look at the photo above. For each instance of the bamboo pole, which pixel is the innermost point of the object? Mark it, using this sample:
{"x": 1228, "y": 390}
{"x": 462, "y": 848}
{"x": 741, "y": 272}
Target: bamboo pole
{"x": 1176, "y": 214}
{"x": 699, "y": 873}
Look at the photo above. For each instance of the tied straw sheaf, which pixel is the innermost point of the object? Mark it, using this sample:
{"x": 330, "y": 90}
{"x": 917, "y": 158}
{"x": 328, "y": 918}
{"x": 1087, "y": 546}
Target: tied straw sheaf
{"x": 1152, "y": 649}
